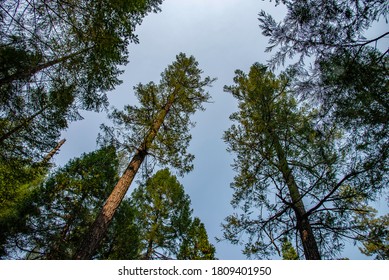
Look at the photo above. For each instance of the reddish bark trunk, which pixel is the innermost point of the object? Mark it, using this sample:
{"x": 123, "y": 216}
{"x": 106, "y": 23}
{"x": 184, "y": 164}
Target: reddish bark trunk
{"x": 100, "y": 225}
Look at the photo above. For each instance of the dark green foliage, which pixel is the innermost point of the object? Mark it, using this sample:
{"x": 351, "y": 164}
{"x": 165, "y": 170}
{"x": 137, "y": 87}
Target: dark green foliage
{"x": 319, "y": 28}
{"x": 195, "y": 246}
{"x": 123, "y": 241}
{"x": 17, "y": 193}
{"x": 348, "y": 82}
{"x": 357, "y": 85}
{"x": 57, "y": 57}
{"x": 158, "y": 127}
{"x": 49, "y": 217}
{"x": 349, "y": 78}
{"x": 155, "y": 223}
{"x": 353, "y": 88}
{"x": 64, "y": 206}
{"x": 163, "y": 217}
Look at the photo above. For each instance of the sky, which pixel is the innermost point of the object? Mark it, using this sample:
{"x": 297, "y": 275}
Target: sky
{"x": 223, "y": 35}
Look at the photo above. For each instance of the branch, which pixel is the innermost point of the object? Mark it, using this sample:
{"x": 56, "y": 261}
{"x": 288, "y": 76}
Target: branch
{"x": 337, "y": 186}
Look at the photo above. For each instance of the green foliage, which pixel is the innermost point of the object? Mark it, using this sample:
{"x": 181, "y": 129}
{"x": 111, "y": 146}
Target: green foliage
{"x": 64, "y": 206}
{"x": 349, "y": 78}
{"x": 48, "y": 218}
{"x": 56, "y": 58}
{"x": 348, "y": 84}
{"x": 158, "y": 127}
{"x": 376, "y": 241}
{"x": 357, "y": 85}
{"x": 156, "y": 223}
{"x": 288, "y": 252}
{"x": 123, "y": 241}
{"x": 18, "y": 187}
{"x": 270, "y": 126}
{"x": 179, "y": 94}
{"x": 195, "y": 245}
{"x": 353, "y": 87}
{"x": 164, "y": 215}
{"x": 319, "y": 28}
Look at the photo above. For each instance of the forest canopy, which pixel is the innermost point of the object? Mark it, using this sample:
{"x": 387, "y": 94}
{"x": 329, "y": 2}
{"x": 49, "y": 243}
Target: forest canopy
{"x": 307, "y": 133}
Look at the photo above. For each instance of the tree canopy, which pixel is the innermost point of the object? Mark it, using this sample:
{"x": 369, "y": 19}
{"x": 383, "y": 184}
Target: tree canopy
{"x": 321, "y": 28}
{"x": 295, "y": 175}
{"x": 60, "y": 209}
{"x": 159, "y": 126}
{"x": 164, "y": 218}
{"x": 310, "y": 143}
{"x": 56, "y": 58}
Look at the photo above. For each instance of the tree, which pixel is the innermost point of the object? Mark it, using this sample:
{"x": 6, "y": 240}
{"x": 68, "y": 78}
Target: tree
{"x": 18, "y": 187}
{"x": 349, "y": 77}
{"x": 159, "y": 127}
{"x": 196, "y": 245}
{"x": 57, "y": 57}
{"x": 63, "y": 206}
{"x": 321, "y": 28}
{"x": 163, "y": 217}
{"x": 295, "y": 175}
{"x": 89, "y": 38}
{"x": 123, "y": 238}
{"x": 352, "y": 89}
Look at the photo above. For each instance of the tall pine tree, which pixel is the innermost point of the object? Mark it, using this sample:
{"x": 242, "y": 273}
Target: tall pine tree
{"x": 158, "y": 127}
{"x": 295, "y": 174}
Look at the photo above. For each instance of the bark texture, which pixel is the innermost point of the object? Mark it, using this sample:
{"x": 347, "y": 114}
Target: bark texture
{"x": 100, "y": 225}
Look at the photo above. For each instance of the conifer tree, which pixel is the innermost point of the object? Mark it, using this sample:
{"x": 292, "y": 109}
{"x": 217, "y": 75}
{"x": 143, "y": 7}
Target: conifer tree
{"x": 159, "y": 126}
{"x": 295, "y": 174}
{"x": 61, "y": 207}
{"x": 56, "y": 58}
{"x": 348, "y": 79}
{"x": 164, "y": 219}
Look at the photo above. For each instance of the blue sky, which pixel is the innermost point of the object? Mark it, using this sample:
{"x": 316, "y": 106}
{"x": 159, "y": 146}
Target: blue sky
{"x": 224, "y": 36}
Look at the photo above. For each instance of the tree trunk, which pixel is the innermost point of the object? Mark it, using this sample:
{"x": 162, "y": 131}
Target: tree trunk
{"x": 37, "y": 68}
{"x": 307, "y": 237}
{"x": 50, "y": 155}
{"x": 21, "y": 126}
{"x": 149, "y": 251}
{"x": 100, "y": 225}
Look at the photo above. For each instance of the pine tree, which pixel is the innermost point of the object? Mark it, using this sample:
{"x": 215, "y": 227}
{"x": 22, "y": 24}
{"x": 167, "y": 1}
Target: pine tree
{"x": 295, "y": 174}
{"x": 159, "y": 127}
{"x": 56, "y": 58}
{"x": 288, "y": 252}
{"x": 320, "y": 28}
{"x": 196, "y": 245}
{"x": 375, "y": 240}
{"x": 62, "y": 207}
{"x": 348, "y": 80}
{"x": 18, "y": 188}
{"x": 163, "y": 216}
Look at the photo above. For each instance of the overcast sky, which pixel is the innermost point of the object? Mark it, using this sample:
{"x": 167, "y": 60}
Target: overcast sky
{"x": 223, "y": 35}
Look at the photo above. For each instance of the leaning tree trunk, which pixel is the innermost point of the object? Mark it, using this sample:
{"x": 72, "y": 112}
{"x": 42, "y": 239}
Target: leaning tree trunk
{"x": 26, "y": 73}
{"x": 23, "y": 125}
{"x": 50, "y": 155}
{"x": 307, "y": 237}
{"x": 99, "y": 227}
